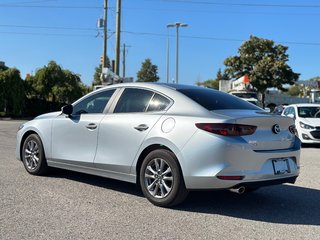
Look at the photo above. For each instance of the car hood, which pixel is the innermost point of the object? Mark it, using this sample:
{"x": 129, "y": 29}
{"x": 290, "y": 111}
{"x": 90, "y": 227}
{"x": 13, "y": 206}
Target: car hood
{"x": 49, "y": 115}
{"x": 311, "y": 121}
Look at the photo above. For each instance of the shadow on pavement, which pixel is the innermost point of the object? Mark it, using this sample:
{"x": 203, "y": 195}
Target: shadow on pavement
{"x": 102, "y": 182}
{"x": 285, "y": 204}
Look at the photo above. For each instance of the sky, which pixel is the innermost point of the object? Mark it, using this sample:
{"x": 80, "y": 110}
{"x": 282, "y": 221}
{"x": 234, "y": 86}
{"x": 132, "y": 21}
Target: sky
{"x": 34, "y": 32}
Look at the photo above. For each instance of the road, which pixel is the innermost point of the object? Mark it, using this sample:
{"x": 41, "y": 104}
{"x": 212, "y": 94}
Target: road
{"x": 68, "y": 205}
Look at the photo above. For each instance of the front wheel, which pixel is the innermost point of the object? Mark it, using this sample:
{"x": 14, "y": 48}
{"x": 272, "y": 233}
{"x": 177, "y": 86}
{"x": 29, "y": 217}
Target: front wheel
{"x": 33, "y": 156}
{"x": 161, "y": 179}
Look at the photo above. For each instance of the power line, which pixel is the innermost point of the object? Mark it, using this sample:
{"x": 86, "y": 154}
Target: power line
{"x": 47, "y": 27}
{"x": 133, "y": 33}
{"x": 47, "y": 34}
{"x": 216, "y": 39}
{"x": 48, "y": 6}
{"x": 241, "y": 4}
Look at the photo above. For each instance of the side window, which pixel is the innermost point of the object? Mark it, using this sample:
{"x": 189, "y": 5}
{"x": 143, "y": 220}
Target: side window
{"x": 133, "y": 100}
{"x": 93, "y": 104}
{"x": 291, "y": 111}
{"x": 158, "y": 103}
{"x": 286, "y": 111}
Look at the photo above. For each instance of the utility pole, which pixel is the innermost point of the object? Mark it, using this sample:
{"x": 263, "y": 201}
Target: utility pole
{"x": 124, "y": 61}
{"x": 104, "y": 65}
{"x": 118, "y": 25}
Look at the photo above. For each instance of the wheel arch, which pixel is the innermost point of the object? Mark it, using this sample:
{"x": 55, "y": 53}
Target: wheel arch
{"x": 24, "y": 137}
{"x": 148, "y": 150}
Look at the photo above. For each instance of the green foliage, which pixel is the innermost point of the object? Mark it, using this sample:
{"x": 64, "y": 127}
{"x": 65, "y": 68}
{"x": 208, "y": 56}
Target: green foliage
{"x": 148, "y": 72}
{"x": 222, "y": 76}
{"x": 52, "y": 83}
{"x": 210, "y": 83}
{"x": 294, "y": 91}
{"x": 96, "y": 76}
{"x": 97, "y": 73}
{"x": 11, "y": 92}
{"x": 264, "y": 62}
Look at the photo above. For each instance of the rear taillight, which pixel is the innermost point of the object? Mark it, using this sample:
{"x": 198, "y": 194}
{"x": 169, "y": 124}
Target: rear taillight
{"x": 227, "y": 129}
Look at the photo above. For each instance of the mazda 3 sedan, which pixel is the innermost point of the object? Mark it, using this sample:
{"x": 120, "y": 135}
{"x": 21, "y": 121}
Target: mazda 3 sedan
{"x": 168, "y": 139}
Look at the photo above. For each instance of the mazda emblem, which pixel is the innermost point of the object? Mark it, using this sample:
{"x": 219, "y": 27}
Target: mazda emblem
{"x": 276, "y": 129}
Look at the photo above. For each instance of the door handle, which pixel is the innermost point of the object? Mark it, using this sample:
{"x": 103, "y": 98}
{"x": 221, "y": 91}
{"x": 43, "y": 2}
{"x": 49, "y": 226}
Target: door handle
{"x": 141, "y": 127}
{"x": 91, "y": 126}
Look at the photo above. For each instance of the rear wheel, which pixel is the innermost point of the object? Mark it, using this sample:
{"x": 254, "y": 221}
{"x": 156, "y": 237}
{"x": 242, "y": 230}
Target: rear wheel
{"x": 33, "y": 155}
{"x": 161, "y": 179}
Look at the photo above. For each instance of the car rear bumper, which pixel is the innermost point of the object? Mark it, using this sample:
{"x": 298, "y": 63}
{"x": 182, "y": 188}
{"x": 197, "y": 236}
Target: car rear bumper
{"x": 203, "y": 165}
{"x": 267, "y": 182}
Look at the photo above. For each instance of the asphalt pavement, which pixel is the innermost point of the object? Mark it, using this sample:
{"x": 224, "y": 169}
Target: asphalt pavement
{"x": 69, "y": 205}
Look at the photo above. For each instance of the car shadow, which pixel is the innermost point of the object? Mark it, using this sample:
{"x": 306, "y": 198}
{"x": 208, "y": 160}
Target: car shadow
{"x": 310, "y": 145}
{"x": 116, "y": 185}
{"x": 284, "y": 204}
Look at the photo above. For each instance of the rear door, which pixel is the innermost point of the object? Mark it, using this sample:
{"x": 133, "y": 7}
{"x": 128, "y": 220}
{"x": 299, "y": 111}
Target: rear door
{"x": 122, "y": 132}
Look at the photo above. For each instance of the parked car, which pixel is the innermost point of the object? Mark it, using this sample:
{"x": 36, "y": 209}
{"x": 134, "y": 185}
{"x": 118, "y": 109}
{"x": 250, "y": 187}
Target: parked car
{"x": 279, "y": 109}
{"x": 169, "y": 139}
{"x": 307, "y": 121}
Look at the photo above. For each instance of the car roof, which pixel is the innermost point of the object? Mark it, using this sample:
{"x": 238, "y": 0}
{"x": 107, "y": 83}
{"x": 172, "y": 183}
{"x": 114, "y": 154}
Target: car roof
{"x": 304, "y": 105}
{"x": 155, "y": 85}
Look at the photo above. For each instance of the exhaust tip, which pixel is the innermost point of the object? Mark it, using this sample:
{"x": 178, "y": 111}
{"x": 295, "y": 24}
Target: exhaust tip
{"x": 240, "y": 190}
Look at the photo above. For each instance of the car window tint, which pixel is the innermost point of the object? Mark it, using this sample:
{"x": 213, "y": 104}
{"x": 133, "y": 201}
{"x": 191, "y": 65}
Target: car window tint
{"x": 158, "y": 103}
{"x": 94, "y": 103}
{"x": 216, "y": 100}
{"x": 286, "y": 111}
{"x": 133, "y": 100}
{"x": 309, "y": 112}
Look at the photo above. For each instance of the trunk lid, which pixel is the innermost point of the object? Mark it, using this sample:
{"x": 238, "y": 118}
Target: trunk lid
{"x": 272, "y": 131}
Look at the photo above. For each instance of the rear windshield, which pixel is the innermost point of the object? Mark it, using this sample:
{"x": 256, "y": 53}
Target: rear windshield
{"x": 216, "y": 100}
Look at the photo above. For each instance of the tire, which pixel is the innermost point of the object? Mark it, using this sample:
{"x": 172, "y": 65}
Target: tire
{"x": 161, "y": 180}
{"x": 33, "y": 157}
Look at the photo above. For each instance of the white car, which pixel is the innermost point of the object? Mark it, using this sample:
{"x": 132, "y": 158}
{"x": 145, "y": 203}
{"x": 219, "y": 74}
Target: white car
{"x": 307, "y": 121}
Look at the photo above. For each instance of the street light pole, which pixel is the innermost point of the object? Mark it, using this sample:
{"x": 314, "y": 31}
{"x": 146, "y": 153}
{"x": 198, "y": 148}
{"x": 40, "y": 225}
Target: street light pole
{"x": 168, "y": 56}
{"x": 177, "y": 25}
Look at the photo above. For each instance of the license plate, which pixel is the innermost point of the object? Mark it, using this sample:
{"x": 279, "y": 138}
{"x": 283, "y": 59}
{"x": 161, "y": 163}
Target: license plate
{"x": 280, "y": 166}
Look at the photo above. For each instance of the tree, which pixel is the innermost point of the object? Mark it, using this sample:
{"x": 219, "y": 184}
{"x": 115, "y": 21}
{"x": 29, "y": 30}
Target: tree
{"x": 210, "y": 83}
{"x": 148, "y": 72}
{"x": 294, "y": 91}
{"x": 221, "y": 76}
{"x": 11, "y": 92}
{"x": 55, "y": 84}
{"x": 97, "y": 73}
{"x": 264, "y": 62}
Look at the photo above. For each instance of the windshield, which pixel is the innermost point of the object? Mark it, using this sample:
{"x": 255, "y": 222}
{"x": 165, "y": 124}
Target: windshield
{"x": 216, "y": 100}
{"x": 309, "y": 112}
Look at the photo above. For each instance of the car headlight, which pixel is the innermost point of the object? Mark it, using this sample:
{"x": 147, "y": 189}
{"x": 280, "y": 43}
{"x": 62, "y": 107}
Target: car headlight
{"x": 306, "y": 126}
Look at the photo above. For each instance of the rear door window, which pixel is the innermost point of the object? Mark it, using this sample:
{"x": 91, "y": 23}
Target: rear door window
{"x": 158, "y": 103}
{"x": 134, "y": 100}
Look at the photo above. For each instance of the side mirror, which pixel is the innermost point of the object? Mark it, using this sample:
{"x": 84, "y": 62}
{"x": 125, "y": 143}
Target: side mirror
{"x": 67, "y": 109}
{"x": 290, "y": 115}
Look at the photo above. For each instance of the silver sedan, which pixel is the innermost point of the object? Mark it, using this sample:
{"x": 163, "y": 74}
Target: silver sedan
{"x": 169, "y": 139}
